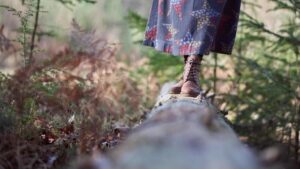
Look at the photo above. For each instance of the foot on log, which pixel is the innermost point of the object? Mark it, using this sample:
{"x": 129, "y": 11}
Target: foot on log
{"x": 191, "y": 81}
{"x": 176, "y": 89}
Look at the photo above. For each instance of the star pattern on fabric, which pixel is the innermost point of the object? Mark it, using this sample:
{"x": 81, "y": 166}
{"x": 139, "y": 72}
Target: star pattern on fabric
{"x": 177, "y": 6}
{"x": 160, "y": 7}
{"x": 168, "y": 48}
{"x": 151, "y": 33}
{"x": 205, "y": 16}
{"x": 188, "y": 44}
{"x": 171, "y": 31}
{"x": 183, "y": 27}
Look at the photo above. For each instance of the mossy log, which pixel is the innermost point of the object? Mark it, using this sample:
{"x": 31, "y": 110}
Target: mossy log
{"x": 182, "y": 133}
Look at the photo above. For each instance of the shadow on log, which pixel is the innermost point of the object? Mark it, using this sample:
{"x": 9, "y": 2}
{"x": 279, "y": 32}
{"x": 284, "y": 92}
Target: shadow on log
{"x": 181, "y": 133}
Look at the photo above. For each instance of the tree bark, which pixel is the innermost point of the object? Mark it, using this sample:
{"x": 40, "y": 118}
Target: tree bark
{"x": 181, "y": 133}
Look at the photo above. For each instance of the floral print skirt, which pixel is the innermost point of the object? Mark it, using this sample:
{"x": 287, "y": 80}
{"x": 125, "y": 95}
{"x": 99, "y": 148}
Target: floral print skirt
{"x": 192, "y": 27}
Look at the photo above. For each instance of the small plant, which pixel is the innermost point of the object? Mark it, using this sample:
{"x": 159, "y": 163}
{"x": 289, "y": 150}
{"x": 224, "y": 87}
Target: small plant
{"x": 32, "y": 9}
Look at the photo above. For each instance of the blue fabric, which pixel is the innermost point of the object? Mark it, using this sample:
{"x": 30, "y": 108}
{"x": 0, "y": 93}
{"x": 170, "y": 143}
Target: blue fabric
{"x": 192, "y": 27}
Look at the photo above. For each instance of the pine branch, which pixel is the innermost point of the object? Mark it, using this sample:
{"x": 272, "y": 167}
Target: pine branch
{"x": 251, "y": 22}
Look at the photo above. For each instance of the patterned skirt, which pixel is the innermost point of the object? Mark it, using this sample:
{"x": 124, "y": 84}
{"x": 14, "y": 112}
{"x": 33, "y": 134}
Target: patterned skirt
{"x": 192, "y": 27}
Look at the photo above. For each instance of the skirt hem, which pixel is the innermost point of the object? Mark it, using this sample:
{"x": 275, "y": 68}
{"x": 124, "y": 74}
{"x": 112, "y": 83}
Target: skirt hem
{"x": 166, "y": 47}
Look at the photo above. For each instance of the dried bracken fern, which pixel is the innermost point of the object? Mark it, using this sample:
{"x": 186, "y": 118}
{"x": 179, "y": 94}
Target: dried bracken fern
{"x": 87, "y": 85}
{"x": 84, "y": 41}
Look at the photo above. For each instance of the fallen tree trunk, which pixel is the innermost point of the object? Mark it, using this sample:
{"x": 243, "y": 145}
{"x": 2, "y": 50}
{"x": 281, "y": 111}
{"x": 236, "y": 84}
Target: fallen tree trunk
{"x": 181, "y": 133}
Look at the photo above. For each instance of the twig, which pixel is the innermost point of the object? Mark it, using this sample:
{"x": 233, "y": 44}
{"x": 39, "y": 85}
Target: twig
{"x": 215, "y": 72}
{"x": 36, "y": 22}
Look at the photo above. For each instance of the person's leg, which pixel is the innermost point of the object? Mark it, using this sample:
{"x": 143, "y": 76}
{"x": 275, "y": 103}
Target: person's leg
{"x": 189, "y": 85}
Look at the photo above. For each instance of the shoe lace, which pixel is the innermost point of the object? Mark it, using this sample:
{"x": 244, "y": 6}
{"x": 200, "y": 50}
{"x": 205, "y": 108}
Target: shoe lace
{"x": 192, "y": 71}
